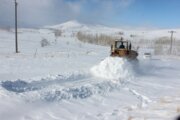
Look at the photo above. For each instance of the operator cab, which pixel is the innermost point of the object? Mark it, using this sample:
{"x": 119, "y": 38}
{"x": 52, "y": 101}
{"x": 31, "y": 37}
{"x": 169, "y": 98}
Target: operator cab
{"x": 119, "y": 44}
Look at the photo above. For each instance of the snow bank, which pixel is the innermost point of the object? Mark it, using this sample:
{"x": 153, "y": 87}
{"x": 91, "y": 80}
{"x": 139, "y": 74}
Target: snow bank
{"x": 113, "y": 68}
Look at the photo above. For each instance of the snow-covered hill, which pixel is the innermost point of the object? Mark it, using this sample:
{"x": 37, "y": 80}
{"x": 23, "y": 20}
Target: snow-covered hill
{"x": 141, "y": 33}
{"x": 75, "y": 26}
{"x": 68, "y": 79}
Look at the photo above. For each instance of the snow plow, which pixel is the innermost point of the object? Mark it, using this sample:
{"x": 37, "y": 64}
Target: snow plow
{"x": 123, "y": 49}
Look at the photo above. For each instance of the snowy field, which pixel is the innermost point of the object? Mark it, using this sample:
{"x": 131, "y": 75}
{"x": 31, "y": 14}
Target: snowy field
{"x": 71, "y": 80}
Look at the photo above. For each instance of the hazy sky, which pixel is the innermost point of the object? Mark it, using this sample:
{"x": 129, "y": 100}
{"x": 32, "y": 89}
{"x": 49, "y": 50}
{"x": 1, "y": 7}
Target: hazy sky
{"x": 135, "y": 13}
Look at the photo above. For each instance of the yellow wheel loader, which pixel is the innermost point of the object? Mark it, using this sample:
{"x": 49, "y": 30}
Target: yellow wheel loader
{"x": 123, "y": 49}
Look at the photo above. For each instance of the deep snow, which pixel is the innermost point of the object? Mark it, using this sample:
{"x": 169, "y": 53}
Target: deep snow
{"x": 73, "y": 80}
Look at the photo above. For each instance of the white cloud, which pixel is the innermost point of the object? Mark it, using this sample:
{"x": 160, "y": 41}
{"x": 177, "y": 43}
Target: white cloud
{"x": 43, "y": 12}
{"x": 75, "y": 7}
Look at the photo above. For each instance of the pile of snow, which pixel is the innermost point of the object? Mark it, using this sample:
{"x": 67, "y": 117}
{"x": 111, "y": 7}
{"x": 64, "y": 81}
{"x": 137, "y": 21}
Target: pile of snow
{"x": 113, "y": 68}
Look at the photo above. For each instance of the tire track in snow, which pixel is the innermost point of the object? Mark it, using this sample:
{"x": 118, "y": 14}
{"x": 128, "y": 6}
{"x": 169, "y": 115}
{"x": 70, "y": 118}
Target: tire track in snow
{"x": 144, "y": 100}
{"x": 124, "y": 113}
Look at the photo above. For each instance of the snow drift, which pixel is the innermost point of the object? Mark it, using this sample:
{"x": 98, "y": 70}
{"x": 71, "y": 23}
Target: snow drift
{"x": 113, "y": 68}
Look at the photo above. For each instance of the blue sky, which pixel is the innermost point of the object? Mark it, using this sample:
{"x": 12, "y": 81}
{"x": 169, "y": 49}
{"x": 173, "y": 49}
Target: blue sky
{"x": 157, "y": 13}
{"x": 117, "y": 13}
